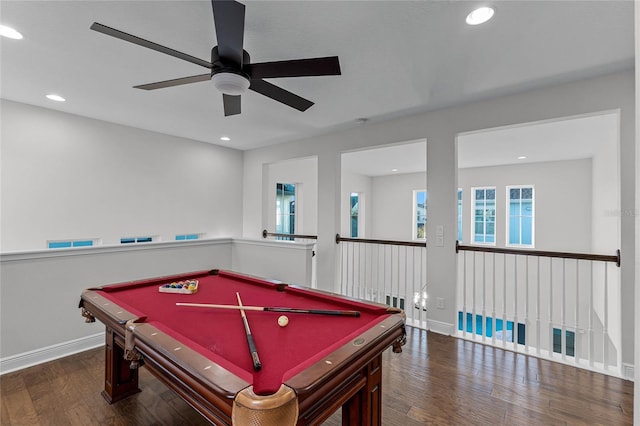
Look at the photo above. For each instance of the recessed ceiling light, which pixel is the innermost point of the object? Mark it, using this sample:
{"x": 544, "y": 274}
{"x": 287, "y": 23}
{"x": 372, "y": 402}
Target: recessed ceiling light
{"x": 225, "y": 138}
{"x": 479, "y": 16}
{"x": 56, "y": 98}
{"x": 522, "y": 157}
{"x": 9, "y": 32}
{"x": 394, "y": 170}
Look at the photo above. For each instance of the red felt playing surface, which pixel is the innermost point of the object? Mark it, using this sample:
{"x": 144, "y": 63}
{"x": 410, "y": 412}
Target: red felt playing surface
{"x": 219, "y": 334}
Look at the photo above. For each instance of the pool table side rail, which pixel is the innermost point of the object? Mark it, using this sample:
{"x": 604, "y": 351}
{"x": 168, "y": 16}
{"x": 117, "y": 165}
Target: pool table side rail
{"x": 109, "y": 313}
{"x": 203, "y": 384}
{"x": 163, "y": 279}
{"x": 349, "y": 355}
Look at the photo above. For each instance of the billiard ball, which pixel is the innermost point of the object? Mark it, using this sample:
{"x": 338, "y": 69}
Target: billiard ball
{"x": 283, "y": 321}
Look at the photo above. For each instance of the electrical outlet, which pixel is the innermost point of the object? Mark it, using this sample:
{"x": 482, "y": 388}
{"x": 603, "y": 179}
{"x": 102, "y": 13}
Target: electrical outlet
{"x": 440, "y": 302}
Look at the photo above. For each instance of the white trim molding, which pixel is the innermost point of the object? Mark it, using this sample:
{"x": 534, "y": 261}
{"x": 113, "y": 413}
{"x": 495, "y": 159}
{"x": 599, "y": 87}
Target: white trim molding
{"x": 50, "y": 353}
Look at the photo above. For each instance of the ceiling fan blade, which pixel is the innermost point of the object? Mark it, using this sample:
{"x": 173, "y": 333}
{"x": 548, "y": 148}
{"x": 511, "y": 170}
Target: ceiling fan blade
{"x": 231, "y": 105}
{"x": 149, "y": 44}
{"x": 174, "y": 82}
{"x": 294, "y": 68}
{"x": 228, "y": 17}
{"x": 281, "y": 95}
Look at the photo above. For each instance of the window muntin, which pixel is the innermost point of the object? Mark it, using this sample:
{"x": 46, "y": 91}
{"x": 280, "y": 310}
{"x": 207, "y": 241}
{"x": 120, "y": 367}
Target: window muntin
{"x": 484, "y": 216}
{"x": 419, "y": 214}
{"x": 285, "y": 209}
{"x": 520, "y": 214}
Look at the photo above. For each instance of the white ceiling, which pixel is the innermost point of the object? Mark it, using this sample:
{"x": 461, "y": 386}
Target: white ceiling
{"x": 396, "y": 57}
{"x": 567, "y": 138}
{"x": 556, "y": 140}
{"x": 410, "y": 157}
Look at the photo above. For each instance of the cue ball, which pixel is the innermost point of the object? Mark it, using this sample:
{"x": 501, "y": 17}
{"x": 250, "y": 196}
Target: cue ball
{"x": 283, "y": 321}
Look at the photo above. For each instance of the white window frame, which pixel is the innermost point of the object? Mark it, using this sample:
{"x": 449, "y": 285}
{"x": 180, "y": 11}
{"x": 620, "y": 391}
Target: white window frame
{"x": 460, "y": 211}
{"x": 508, "y": 215}
{"x": 472, "y": 238}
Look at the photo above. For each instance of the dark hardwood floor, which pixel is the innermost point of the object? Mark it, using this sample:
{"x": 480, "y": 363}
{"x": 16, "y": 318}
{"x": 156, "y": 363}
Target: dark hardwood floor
{"x": 437, "y": 380}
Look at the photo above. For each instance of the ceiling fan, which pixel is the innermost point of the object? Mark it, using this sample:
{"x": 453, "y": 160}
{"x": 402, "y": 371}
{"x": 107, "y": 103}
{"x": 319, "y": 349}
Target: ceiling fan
{"x": 230, "y": 67}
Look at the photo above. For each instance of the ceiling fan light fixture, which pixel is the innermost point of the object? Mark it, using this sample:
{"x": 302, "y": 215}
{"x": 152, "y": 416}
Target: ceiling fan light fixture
{"x": 230, "y": 83}
{"x": 9, "y": 32}
{"x": 480, "y": 15}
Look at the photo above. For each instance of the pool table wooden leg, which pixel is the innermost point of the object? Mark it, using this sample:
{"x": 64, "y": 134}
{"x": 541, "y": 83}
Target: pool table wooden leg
{"x": 365, "y": 407}
{"x": 119, "y": 380}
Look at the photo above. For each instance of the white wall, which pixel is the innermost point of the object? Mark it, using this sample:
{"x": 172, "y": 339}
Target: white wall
{"x": 41, "y": 290}
{"x": 606, "y": 189}
{"x": 440, "y": 128}
{"x": 39, "y": 315}
{"x": 355, "y": 182}
{"x": 304, "y": 173}
{"x": 636, "y": 210}
{"x": 286, "y": 261}
{"x": 69, "y": 177}
{"x": 392, "y": 208}
{"x": 562, "y": 204}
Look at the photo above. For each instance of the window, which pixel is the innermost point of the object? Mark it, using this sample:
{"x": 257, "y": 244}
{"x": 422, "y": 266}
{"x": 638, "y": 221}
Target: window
{"x": 132, "y": 240}
{"x": 69, "y": 243}
{"x": 285, "y": 208}
{"x": 354, "y": 214}
{"x": 395, "y": 301}
{"x": 459, "y": 214}
{"x": 520, "y": 214}
{"x": 484, "y": 219}
{"x": 419, "y": 214}
{"x": 486, "y": 323}
{"x": 570, "y": 341}
{"x": 187, "y": 237}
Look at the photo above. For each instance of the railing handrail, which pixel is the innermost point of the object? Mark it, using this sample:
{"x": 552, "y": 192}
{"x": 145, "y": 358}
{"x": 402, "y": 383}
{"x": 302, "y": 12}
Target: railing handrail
{"x": 524, "y": 252}
{"x": 385, "y": 242}
{"x": 266, "y": 234}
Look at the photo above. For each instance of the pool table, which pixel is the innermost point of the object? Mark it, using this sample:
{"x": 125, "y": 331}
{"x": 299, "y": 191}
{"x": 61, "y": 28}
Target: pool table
{"x": 310, "y": 367}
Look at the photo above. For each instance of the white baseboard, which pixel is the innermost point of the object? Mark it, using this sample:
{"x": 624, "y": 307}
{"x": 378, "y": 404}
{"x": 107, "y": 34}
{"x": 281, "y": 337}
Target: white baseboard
{"x": 49, "y": 353}
{"x": 440, "y": 327}
{"x": 628, "y": 371}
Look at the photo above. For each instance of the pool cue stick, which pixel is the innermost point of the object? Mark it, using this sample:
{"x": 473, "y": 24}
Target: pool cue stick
{"x": 252, "y": 345}
{"x": 274, "y": 309}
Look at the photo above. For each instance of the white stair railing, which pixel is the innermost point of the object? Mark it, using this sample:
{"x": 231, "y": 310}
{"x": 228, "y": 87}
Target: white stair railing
{"x": 554, "y": 305}
{"x": 385, "y": 271}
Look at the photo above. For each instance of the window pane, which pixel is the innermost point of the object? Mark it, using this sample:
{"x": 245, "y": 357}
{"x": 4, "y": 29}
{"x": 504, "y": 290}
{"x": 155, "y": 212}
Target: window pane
{"x": 59, "y": 244}
{"x": 285, "y": 208}
{"x": 84, "y": 243}
{"x": 514, "y": 208}
{"x": 520, "y": 219}
{"x": 354, "y": 215}
{"x": 514, "y": 231}
{"x": 420, "y": 200}
{"x": 527, "y": 227}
